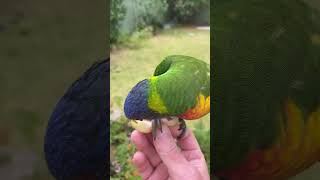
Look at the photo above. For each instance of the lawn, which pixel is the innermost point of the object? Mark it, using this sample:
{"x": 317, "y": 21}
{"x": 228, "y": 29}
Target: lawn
{"x": 129, "y": 66}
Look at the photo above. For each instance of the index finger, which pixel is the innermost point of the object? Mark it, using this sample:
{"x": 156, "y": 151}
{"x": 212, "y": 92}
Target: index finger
{"x": 142, "y": 144}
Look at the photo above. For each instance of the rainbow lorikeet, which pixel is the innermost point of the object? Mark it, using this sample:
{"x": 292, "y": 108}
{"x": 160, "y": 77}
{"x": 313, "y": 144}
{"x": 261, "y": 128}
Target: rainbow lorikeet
{"x": 77, "y": 137}
{"x": 179, "y": 87}
{"x": 266, "y": 64}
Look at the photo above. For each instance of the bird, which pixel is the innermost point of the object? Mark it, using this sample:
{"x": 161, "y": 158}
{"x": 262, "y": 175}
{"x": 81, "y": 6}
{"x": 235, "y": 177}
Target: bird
{"x": 266, "y": 95}
{"x": 76, "y": 142}
{"x": 179, "y": 88}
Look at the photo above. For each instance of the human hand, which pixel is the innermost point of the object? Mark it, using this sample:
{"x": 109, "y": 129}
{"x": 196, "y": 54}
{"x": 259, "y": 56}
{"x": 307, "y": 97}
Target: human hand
{"x": 168, "y": 158}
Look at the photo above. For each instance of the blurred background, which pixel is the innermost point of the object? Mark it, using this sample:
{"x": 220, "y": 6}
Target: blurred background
{"x": 44, "y": 46}
{"x": 142, "y": 34}
{"x": 313, "y": 172}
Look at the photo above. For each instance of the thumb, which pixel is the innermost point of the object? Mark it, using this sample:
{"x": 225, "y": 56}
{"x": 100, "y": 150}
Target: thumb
{"x": 170, "y": 154}
{"x": 167, "y": 148}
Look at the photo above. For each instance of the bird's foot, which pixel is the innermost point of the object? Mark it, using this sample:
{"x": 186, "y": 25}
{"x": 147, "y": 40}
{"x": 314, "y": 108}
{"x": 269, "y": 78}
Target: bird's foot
{"x": 182, "y": 127}
{"x": 156, "y": 123}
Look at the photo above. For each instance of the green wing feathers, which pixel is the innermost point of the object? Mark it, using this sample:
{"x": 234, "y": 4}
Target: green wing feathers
{"x": 178, "y": 80}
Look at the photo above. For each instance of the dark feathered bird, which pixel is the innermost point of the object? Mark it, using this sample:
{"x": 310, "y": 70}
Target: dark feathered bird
{"x": 77, "y": 137}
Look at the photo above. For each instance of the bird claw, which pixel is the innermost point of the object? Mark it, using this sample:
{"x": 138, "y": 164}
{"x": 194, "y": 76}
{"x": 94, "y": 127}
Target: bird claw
{"x": 160, "y": 125}
{"x": 182, "y": 127}
{"x": 156, "y": 123}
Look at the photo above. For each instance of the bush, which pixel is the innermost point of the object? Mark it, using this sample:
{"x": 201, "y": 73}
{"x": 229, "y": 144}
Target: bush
{"x": 202, "y": 133}
{"x": 203, "y": 137}
{"x": 117, "y": 14}
{"x": 183, "y": 10}
{"x": 148, "y": 15}
{"x": 134, "y": 40}
{"x": 151, "y": 13}
{"x": 121, "y": 151}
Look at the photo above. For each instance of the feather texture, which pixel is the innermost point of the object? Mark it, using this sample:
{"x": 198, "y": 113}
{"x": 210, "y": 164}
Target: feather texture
{"x": 76, "y": 141}
{"x": 180, "y": 86}
{"x": 265, "y": 63}
{"x": 179, "y": 82}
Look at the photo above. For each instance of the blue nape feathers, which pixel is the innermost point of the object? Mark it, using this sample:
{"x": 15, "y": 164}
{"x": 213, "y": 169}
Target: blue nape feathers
{"x": 77, "y": 136}
{"x": 136, "y": 103}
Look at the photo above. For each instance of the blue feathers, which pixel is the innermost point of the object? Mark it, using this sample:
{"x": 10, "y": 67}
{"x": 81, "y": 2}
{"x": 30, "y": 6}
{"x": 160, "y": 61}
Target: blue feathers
{"x": 77, "y": 137}
{"x": 136, "y": 104}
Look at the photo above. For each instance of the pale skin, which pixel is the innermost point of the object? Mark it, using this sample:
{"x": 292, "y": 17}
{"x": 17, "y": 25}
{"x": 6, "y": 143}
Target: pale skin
{"x": 168, "y": 158}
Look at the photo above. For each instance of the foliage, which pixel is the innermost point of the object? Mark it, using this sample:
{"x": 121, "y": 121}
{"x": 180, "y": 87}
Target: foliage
{"x": 151, "y": 13}
{"x": 117, "y": 14}
{"x": 121, "y": 151}
{"x": 149, "y": 16}
{"x": 203, "y": 137}
{"x": 135, "y": 40}
{"x": 183, "y": 10}
{"x": 129, "y": 17}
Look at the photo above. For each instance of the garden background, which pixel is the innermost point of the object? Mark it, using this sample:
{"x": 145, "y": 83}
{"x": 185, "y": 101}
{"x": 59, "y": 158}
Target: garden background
{"x": 45, "y": 45}
{"x": 142, "y": 34}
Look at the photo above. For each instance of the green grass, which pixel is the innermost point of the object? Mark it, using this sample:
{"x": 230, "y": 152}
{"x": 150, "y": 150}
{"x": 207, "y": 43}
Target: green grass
{"x": 134, "y": 62}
